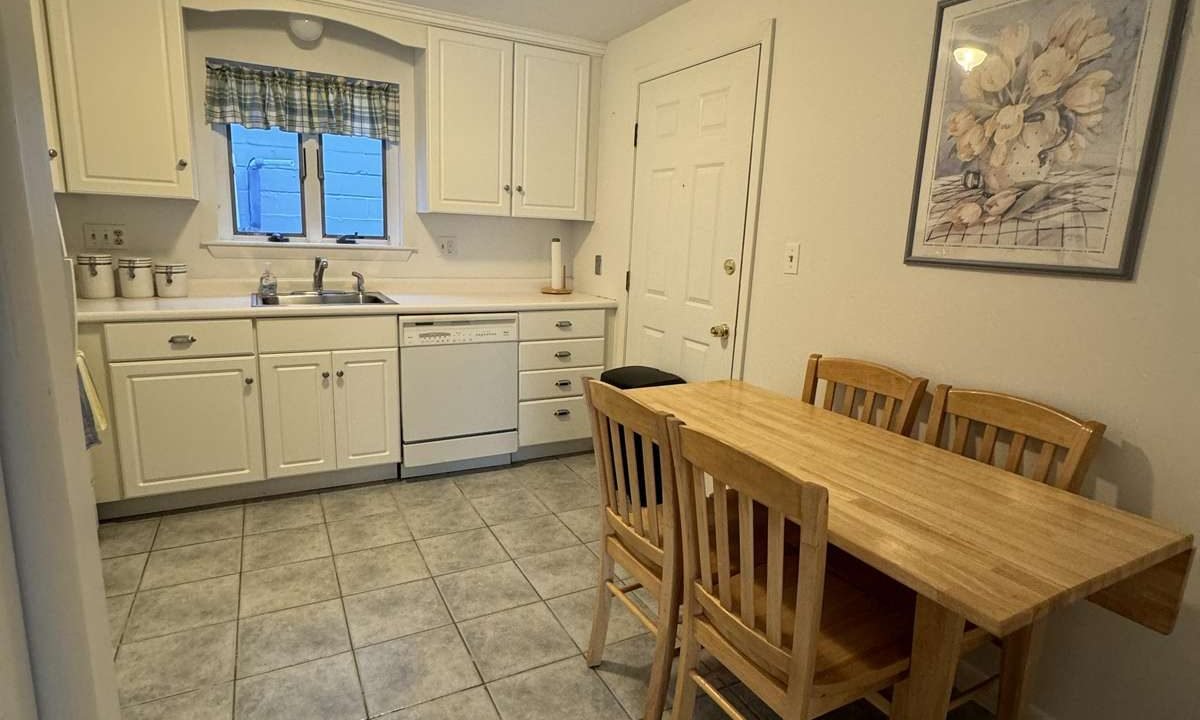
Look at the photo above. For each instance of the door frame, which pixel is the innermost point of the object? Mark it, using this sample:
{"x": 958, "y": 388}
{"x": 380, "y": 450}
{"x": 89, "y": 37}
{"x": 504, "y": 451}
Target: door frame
{"x": 738, "y": 38}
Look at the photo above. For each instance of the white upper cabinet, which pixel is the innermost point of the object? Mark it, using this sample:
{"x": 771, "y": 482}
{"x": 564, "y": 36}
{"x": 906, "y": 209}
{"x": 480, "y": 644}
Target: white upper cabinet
{"x": 505, "y": 128}
{"x": 41, "y": 46}
{"x": 121, "y": 85}
{"x": 468, "y": 131}
{"x": 550, "y": 131}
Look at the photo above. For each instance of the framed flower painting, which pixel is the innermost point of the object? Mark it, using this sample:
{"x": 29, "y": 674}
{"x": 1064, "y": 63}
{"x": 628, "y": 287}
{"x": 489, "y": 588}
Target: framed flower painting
{"x": 1041, "y": 133}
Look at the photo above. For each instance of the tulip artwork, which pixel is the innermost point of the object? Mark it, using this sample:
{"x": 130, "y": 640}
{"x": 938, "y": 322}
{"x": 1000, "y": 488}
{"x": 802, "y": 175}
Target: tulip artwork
{"x": 1040, "y": 157}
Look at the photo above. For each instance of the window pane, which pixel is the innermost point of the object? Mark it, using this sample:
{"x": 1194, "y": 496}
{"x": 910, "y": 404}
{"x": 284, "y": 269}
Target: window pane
{"x": 353, "y": 187}
{"x": 266, "y": 181}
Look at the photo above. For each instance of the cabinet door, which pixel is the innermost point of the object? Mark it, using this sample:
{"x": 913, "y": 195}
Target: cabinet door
{"x": 120, "y": 80}
{"x": 41, "y": 46}
{"x": 468, "y": 129}
{"x": 297, "y": 402}
{"x": 187, "y": 424}
{"x": 367, "y": 407}
{"x": 550, "y": 133}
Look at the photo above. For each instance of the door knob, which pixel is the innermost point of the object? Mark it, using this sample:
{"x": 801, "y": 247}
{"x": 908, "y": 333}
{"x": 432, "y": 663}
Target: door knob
{"x": 719, "y": 331}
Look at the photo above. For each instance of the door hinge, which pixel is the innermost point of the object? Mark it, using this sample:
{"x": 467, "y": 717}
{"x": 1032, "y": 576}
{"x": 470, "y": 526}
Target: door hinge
{"x": 635, "y": 131}
{"x": 626, "y": 281}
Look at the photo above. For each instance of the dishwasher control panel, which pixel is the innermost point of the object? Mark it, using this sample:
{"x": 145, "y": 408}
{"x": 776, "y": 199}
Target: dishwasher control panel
{"x": 457, "y": 330}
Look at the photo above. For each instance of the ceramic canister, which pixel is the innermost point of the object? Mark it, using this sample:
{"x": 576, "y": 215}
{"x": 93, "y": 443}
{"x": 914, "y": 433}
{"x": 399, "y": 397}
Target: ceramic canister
{"x": 135, "y": 277}
{"x": 171, "y": 280}
{"x": 94, "y": 277}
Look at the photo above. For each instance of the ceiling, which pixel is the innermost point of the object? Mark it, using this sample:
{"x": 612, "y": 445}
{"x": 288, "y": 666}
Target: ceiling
{"x": 600, "y": 20}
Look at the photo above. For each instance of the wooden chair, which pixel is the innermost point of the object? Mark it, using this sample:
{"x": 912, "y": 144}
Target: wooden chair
{"x": 975, "y": 423}
{"x": 806, "y": 642}
{"x": 633, "y": 460}
{"x": 890, "y": 399}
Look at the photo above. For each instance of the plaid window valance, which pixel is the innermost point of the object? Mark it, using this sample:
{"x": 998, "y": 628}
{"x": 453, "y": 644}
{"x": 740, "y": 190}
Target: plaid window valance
{"x": 303, "y": 102}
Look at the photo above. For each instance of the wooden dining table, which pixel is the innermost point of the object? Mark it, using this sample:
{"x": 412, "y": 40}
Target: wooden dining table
{"x": 979, "y": 545}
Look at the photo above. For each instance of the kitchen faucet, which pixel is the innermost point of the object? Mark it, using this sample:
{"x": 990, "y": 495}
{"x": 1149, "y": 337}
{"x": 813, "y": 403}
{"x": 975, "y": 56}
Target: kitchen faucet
{"x": 319, "y": 266}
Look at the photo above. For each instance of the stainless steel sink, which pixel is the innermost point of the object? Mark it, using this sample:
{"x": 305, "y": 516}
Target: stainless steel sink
{"x": 327, "y": 297}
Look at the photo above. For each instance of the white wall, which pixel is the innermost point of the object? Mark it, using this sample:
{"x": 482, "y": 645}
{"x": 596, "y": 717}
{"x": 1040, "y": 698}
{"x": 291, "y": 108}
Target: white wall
{"x": 175, "y": 229}
{"x": 842, "y": 132}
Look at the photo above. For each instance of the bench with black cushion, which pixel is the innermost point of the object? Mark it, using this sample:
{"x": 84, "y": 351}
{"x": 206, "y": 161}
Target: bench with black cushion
{"x": 631, "y": 377}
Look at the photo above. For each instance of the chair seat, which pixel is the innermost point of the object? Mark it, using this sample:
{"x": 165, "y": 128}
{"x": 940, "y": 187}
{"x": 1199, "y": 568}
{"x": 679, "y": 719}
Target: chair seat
{"x": 866, "y": 634}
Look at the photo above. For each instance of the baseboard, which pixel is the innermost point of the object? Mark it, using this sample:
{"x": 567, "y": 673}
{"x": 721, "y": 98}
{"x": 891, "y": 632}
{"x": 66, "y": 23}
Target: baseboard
{"x": 247, "y": 491}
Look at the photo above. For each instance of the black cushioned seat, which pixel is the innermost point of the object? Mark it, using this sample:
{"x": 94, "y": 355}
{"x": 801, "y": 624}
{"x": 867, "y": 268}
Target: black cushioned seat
{"x": 639, "y": 376}
{"x": 632, "y": 377}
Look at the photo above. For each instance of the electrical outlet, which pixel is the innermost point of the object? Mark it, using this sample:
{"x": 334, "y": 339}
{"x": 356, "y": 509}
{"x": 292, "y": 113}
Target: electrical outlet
{"x": 447, "y": 245}
{"x": 791, "y": 258}
{"x": 97, "y": 236}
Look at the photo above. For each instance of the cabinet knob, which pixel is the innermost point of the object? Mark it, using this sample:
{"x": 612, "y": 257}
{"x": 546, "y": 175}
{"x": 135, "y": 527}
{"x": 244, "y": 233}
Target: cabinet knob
{"x": 341, "y": 373}
{"x": 325, "y": 374}
{"x": 562, "y": 354}
{"x": 520, "y": 188}
{"x": 249, "y": 381}
{"x": 53, "y": 153}
{"x": 508, "y": 188}
{"x": 182, "y": 163}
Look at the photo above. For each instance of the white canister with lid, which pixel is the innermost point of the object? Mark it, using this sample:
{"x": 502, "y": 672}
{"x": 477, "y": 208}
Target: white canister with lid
{"x": 94, "y": 277}
{"x": 135, "y": 277}
{"x": 171, "y": 280}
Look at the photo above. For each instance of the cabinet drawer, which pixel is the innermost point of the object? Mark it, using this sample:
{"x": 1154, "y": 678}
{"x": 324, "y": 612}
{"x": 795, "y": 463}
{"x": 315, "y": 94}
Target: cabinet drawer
{"x": 546, "y": 421}
{"x": 556, "y": 324}
{"x": 178, "y": 339}
{"x": 542, "y": 384}
{"x": 548, "y": 354}
{"x": 327, "y": 333}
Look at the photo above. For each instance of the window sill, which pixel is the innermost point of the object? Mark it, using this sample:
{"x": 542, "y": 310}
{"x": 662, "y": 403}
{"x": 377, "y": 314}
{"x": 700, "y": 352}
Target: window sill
{"x": 294, "y": 250}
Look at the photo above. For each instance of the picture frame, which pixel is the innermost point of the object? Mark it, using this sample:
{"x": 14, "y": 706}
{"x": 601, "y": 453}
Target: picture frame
{"x": 1041, "y": 131}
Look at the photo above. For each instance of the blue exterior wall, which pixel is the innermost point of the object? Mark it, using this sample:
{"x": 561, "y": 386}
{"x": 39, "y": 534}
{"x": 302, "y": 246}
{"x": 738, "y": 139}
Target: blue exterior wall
{"x": 266, "y": 168}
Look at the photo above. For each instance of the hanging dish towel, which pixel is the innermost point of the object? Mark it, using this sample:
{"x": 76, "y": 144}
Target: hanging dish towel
{"x": 94, "y": 418}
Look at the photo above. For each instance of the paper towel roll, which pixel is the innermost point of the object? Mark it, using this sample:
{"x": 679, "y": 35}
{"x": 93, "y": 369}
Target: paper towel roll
{"x": 556, "y": 265}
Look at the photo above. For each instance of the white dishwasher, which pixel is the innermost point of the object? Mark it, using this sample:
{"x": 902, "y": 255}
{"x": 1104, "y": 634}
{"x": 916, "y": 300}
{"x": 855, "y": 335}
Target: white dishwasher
{"x": 458, "y": 379}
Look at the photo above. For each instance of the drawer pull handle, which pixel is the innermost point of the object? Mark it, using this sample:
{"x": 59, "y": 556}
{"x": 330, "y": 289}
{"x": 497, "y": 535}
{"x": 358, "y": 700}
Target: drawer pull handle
{"x": 249, "y": 381}
{"x": 182, "y": 339}
{"x": 562, "y": 412}
{"x": 563, "y": 324}
{"x": 563, "y": 354}
{"x": 563, "y": 384}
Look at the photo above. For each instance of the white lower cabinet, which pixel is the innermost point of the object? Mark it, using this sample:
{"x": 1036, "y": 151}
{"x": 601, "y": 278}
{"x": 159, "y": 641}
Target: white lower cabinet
{"x": 330, "y": 410}
{"x": 187, "y": 424}
{"x": 366, "y": 407}
{"x": 558, "y": 349}
{"x": 297, "y": 399}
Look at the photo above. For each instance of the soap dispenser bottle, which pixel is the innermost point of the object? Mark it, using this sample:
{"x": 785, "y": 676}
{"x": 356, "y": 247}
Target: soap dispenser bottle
{"x": 268, "y": 284}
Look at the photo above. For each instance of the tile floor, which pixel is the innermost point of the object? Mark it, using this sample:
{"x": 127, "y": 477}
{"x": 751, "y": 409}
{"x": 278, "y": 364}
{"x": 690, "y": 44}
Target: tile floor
{"x": 464, "y": 597}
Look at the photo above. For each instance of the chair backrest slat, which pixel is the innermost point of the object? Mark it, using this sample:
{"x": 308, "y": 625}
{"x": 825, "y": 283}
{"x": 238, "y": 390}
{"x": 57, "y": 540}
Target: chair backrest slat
{"x": 901, "y": 394}
{"x": 1055, "y": 434}
{"x": 749, "y": 618}
{"x": 638, "y": 493}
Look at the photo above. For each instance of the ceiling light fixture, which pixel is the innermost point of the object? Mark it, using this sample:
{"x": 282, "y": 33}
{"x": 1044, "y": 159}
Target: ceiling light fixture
{"x": 305, "y": 28}
{"x": 969, "y": 58}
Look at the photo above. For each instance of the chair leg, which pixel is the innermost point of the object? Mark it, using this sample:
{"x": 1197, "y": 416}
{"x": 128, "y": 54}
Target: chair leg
{"x": 685, "y": 686}
{"x": 1018, "y": 660}
{"x": 664, "y": 650}
{"x": 604, "y": 598}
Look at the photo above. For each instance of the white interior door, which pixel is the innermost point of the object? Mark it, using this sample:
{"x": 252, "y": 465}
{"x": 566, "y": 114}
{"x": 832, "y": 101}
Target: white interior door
{"x": 550, "y": 129}
{"x": 367, "y": 407}
{"x": 695, "y": 132}
{"x": 297, "y": 400}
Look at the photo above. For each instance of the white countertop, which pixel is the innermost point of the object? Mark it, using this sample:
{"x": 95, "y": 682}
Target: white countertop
{"x": 220, "y": 307}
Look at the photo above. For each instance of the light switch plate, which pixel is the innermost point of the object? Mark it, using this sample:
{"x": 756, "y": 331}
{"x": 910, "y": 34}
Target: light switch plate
{"x": 791, "y": 258}
{"x": 101, "y": 236}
